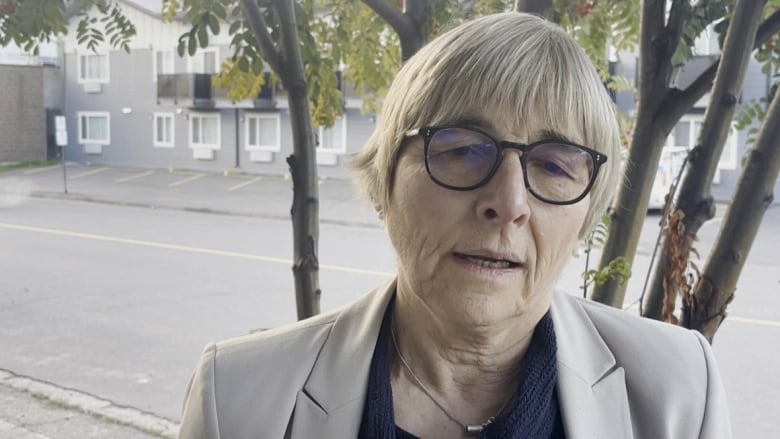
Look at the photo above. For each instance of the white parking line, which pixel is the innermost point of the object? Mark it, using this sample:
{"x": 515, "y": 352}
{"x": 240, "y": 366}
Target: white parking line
{"x": 244, "y": 184}
{"x": 186, "y": 248}
{"x": 749, "y": 321}
{"x": 92, "y": 172}
{"x": 133, "y": 177}
{"x": 38, "y": 170}
{"x": 187, "y": 180}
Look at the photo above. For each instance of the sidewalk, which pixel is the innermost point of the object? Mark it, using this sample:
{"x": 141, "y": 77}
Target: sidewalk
{"x": 224, "y": 193}
{"x": 31, "y": 409}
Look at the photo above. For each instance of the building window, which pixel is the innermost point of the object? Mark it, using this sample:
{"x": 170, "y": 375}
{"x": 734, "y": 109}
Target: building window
{"x": 707, "y": 41}
{"x": 93, "y": 68}
{"x": 94, "y": 128}
{"x": 262, "y": 132}
{"x": 686, "y": 133}
{"x": 163, "y": 63}
{"x": 334, "y": 139}
{"x": 204, "y": 61}
{"x": 163, "y": 130}
{"x": 204, "y": 131}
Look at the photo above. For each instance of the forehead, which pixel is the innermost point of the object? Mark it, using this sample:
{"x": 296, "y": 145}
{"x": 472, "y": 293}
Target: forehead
{"x": 528, "y": 129}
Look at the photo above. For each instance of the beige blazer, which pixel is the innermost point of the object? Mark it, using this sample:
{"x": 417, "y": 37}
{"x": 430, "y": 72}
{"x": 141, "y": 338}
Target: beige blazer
{"x": 619, "y": 376}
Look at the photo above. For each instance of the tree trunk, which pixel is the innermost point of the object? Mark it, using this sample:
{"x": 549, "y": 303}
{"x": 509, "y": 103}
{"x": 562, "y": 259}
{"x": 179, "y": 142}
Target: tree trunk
{"x": 715, "y": 288}
{"x": 695, "y": 204}
{"x": 303, "y": 167}
{"x": 412, "y": 40}
{"x": 654, "y": 122}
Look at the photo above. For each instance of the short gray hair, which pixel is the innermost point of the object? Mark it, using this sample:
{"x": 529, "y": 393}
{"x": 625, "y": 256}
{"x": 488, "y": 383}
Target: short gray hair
{"x": 511, "y": 62}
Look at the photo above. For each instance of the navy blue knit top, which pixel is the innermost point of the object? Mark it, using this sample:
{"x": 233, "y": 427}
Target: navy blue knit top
{"x": 533, "y": 415}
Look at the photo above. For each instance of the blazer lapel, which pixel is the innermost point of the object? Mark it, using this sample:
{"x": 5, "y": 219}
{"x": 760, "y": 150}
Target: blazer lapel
{"x": 332, "y": 400}
{"x": 591, "y": 386}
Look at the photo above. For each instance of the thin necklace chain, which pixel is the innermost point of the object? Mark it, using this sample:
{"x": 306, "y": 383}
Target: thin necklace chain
{"x": 469, "y": 429}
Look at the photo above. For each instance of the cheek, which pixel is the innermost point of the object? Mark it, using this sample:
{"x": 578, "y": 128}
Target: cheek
{"x": 416, "y": 224}
{"x": 558, "y": 235}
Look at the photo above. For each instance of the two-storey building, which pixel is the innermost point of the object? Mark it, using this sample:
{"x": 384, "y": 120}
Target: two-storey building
{"x": 152, "y": 108}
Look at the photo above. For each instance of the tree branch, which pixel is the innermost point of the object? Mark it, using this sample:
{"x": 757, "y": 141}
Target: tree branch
{"x": 400, "y": 22}
{"x": 686, "y": 98}
{"x": 652, "y": 76}
{"x": 260, "y": 30}
{"x": 678, "y": 18}
{"x": 769, "y": 27}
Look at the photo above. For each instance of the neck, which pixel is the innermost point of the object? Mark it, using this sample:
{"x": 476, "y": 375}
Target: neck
{"x": 472, "y": 368}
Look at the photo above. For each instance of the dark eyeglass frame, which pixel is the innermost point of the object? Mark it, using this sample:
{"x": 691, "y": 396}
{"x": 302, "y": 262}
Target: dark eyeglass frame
{"x": 427, "y": 134}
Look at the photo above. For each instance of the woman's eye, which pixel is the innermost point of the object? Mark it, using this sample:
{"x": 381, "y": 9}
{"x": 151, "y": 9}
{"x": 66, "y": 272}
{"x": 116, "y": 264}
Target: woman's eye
{"x": 471, "y": 151}
{"x": 462, "y": 151}
{"x": 554, "y": 169}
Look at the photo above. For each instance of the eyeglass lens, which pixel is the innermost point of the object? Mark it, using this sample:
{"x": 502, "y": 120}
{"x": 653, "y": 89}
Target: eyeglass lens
{"x": 462, "y": 158}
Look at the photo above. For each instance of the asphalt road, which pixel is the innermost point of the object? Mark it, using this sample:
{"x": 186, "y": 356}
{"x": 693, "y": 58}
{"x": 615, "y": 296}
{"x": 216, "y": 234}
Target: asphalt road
{"x": 118, "y": 301}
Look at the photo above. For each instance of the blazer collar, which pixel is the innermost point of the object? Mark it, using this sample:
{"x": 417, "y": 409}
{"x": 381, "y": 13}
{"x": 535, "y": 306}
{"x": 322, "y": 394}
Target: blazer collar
{"x": 591, "y": 386}
{"x": 332, "y": 400}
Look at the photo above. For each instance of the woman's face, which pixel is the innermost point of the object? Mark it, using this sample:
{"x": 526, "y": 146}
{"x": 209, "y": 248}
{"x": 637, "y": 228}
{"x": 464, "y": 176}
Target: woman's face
{"x": 482, "y": 255}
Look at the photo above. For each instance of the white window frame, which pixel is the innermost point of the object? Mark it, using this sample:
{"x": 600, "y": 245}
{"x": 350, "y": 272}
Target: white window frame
{"x": 88, "y": 141}
{"x": 101, "y": 80}
{"x": 202, "y": 52}
{"x": 340, "y": 149}
{"x": 218, "y": 117}
{"x": 259, "y": 116}
{"x": 168, "y": 66}
{"x": 728, "y": 158}
{"x": 172, "y": 142}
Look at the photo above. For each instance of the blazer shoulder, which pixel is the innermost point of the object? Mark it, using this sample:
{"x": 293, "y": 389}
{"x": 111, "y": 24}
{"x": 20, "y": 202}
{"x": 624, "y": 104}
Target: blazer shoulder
{"x": 664, "y": 362}
{"x": 632, "y": 330}
{"x": 248, "y": 384}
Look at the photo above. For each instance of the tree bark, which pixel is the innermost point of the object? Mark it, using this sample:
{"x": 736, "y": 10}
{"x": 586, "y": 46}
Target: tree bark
{"x": 754, "y": 193}
{"x": 695, "y": 202}
{"x": 305, "y": 206}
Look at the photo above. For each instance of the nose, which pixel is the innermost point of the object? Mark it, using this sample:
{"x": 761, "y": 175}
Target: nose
{"x": 504, "y": 199}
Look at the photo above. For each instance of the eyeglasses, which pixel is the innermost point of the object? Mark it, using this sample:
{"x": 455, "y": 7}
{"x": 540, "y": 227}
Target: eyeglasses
{"x": 462, "y": 159}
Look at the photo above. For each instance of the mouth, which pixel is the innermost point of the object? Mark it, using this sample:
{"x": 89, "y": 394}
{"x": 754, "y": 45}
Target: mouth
{"x": 489, "y": 262}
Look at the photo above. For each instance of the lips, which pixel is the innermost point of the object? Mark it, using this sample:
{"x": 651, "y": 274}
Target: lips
{"x": 494, "y": 262}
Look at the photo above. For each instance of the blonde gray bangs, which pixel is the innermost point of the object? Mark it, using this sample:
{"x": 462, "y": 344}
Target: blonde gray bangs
{"x": 504, "y": 64}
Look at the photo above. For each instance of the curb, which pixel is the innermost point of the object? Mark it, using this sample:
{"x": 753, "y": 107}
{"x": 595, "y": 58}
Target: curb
{"x": 88, "y": 199}
{"x": 73, "y": 399}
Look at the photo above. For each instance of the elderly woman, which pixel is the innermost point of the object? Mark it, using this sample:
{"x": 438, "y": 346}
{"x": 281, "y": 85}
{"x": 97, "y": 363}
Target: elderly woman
{"x": 496, "y": 151}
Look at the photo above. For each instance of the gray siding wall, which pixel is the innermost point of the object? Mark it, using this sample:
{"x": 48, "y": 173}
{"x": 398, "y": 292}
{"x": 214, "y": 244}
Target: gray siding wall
{"x": 132, "y": 87}
{"x": 22, "y": 114}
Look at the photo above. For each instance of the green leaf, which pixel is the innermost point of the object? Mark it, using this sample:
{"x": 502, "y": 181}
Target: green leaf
{"x": 203, "y": 37}
{"x": 213, "y": 24}
{"x": 235, "y": 27}
{"x": 192, "y": 45}
{"x": 243, "y": 64}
